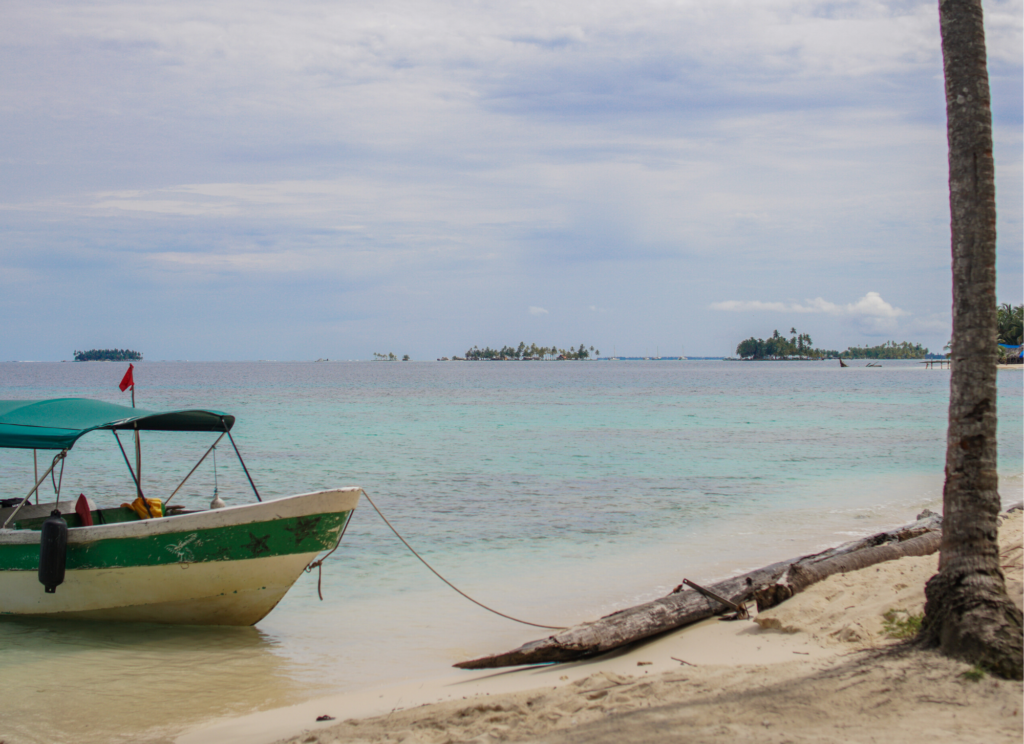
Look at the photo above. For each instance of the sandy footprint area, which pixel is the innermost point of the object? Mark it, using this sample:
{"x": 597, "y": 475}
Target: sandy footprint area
{"x": 821, "y": 667}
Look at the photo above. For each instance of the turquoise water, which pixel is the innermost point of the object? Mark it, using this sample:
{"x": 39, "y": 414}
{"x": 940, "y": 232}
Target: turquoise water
{"x": 553, "y": 491}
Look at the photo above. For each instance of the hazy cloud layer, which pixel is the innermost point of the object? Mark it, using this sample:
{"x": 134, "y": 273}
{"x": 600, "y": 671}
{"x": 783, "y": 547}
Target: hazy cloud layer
{"x": 871, "y": 313}
{"x": 329, "y": 178}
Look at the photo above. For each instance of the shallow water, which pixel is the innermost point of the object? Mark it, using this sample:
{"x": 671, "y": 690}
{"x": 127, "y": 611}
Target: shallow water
{"x": 553, "y": 492}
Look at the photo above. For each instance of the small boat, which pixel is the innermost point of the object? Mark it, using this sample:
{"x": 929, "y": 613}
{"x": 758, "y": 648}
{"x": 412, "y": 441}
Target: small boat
{"x": 132, "y": 562}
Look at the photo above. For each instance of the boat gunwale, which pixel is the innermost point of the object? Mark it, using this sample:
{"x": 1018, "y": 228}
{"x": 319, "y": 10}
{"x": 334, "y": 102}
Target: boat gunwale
{"x": 239, "y": 514}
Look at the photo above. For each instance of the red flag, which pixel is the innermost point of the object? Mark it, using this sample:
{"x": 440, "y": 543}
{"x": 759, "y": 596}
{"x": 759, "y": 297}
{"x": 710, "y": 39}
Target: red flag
{"x": 127, "y": 381}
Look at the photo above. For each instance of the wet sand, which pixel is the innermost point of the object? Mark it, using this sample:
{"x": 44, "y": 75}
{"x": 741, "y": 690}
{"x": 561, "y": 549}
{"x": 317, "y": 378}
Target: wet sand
{"x": 819, "y": 668}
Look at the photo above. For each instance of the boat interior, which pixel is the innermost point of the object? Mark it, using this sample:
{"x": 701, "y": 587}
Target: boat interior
{"x": 32, "y": 516}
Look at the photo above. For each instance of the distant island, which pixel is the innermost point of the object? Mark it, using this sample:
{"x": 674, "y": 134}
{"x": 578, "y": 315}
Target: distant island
{"x": 800, "y": 346}
{"x": 108, "y": 355}
{"x": 778, "y": 346}
{"x": 888, "y": 350}
{"x": 524, "y": 353}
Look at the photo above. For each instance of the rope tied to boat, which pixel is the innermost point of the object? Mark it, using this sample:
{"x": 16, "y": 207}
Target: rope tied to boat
{"x": 319, "y": 564}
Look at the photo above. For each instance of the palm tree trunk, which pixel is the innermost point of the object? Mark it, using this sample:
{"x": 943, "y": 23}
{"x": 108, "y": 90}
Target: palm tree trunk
{"x": 968, "y": 613}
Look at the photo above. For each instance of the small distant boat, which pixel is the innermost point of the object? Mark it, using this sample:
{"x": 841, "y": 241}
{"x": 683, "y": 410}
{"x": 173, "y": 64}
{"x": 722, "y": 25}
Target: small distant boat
{"x": 843, "y": 364}
{"x": 217, "y": 566}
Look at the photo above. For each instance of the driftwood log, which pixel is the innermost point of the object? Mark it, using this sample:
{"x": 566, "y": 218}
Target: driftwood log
{"x": 769, "y": 585}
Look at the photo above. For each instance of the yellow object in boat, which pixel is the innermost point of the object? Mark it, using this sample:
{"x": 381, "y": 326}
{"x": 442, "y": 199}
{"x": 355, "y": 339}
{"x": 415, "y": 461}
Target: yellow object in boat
{"x": 146, "y": 508}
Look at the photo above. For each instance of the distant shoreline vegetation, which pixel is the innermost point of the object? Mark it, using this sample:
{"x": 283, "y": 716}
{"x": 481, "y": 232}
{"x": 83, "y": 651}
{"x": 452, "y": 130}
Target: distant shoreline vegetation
{"x": 799, "y": 346}
{"x": 888, "y": 350}
{"x": 531, "y": 353}
{"x": 108, "y": 355}
{"x": 778, "y": 346}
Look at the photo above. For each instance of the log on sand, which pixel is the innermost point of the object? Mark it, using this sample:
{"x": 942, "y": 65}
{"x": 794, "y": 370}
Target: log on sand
{"x": 801, "y": 575}
{"x": 769, "y": 585}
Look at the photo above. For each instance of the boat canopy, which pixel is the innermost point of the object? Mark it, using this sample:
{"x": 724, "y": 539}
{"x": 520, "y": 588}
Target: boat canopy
{"x": 57, "y": 424}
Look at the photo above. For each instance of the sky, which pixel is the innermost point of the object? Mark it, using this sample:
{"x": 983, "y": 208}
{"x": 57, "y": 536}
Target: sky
{"x": 302, "y": 180}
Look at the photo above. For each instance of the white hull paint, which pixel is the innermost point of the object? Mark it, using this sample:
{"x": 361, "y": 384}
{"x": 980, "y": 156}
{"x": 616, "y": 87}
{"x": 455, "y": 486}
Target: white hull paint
{"x": 221, "y": 592}
{"x": 216, "y": 593}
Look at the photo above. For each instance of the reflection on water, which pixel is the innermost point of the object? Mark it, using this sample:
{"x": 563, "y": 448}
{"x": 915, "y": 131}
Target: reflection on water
{"x": 67, "y": 681}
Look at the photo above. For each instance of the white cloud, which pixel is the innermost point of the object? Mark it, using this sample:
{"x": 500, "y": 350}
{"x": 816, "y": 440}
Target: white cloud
{"x": 749, "y": 306}
{"x": 243, "y": 262}
{"x": 537, "y": 310}
{"x": 870, "y": 305}
{"x": 871, "y": 315}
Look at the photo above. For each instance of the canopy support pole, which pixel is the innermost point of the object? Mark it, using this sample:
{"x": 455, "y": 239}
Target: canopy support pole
{"x": 138, "y": 488}
{"x": 232, "y": 439}
{"x": 138, "y": 454}
{"x": 193, "y": 469}
{"x": 35, "y": 489}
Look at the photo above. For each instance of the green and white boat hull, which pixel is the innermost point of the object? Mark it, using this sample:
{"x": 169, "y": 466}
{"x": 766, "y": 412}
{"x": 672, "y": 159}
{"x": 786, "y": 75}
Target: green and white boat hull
{"x": 228, "y": 566}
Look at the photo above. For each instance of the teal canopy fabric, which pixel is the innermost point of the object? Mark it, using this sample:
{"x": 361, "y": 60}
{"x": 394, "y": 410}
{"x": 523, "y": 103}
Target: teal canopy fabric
{"x": 57, "y": 424}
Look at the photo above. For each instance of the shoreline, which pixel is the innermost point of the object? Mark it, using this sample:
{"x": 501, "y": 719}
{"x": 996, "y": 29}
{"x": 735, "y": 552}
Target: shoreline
{"x": 705, "y": 643}
{"x": 703, "y": 676}
{"x": 553, "y": 518}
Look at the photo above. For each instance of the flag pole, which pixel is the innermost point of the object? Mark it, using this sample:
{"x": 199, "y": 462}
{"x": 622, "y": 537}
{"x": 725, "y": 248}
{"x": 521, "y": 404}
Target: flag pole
{"x": 138, "y": 462}
{"x": 138, "y": 450}
{"x": 128, "y": 381}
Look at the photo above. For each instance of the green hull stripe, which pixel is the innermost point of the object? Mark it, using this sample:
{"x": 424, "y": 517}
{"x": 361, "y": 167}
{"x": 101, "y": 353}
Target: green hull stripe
{"x": 285, "y": 536}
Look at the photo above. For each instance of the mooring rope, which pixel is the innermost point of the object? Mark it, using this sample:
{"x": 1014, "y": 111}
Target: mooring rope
{"x": 432, "y": 570}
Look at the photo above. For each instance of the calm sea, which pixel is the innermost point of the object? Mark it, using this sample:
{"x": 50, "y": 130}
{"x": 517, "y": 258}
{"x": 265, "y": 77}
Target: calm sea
{"x": 555, "y": 492}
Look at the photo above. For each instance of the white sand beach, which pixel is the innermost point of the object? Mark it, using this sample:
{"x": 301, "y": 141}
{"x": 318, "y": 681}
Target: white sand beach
{"x": 818, "y": 668}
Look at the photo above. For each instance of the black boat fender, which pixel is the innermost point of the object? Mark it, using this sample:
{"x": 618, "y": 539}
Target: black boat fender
{"x": 53, "y": 552}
